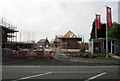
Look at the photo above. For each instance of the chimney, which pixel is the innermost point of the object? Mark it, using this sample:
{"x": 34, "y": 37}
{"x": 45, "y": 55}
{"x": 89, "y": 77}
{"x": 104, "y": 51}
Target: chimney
{"x": 56, "y": 37}
{"x": 46, "y": 38}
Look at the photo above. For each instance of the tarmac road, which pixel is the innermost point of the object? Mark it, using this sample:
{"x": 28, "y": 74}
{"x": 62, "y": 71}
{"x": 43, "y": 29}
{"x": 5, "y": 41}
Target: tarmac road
{"x": 75, "y": 73}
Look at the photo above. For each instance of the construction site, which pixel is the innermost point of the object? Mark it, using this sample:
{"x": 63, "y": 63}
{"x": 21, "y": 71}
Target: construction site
{"x": 60, "y": 51}
{"x": 14, "y": 49}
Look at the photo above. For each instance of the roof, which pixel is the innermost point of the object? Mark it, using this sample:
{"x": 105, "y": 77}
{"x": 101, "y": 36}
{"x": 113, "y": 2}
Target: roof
{"x": 42, "y": 40}
{"x": 69, "y": 34}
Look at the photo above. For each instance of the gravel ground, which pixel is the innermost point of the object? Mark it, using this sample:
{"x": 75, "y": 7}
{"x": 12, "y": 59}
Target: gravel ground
{"x": 59, "y": 61}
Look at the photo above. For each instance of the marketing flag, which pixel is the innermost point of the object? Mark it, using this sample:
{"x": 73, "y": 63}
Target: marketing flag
{"x": 109, "y": 18}
{"x": 98, "y": 22}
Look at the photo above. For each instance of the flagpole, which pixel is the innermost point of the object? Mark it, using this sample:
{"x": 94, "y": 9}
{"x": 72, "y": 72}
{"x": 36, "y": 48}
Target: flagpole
{"x": 95, "y": 30}
{"x": 106, "y": 36}
{"x": 106, "y": 42}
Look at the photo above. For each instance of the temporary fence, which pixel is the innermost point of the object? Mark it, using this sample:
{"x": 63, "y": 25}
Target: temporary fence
{"x": 52, "y": 50}
{"x": 31, "y": 54}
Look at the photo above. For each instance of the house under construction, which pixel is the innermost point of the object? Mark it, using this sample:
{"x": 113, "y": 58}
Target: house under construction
{"x": 9, "y": 37}
{"x": 69, "y": 40}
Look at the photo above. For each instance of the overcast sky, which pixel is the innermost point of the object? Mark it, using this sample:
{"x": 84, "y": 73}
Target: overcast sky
{"x": 119, "y": 12}
{"x": 47, "y": 18}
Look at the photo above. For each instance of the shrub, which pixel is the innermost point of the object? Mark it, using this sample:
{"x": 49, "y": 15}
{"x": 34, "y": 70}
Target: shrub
{"x": 118, "y": 54}
{"x": 87, "y": 55}
{"x": 92, "y": 55}
{"x": 100, "y": 55}
{"x": 82, "y": 50}
{"x": 81, "y": 54}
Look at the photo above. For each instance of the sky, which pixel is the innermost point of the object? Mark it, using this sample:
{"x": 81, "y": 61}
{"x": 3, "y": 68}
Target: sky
{"x": 119, "y": 12}
{"x": 38, "y": 19}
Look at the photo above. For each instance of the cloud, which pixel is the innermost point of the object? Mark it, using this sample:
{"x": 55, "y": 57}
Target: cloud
{"x": 119, "y": 12}
{"x": 55, "y": 17}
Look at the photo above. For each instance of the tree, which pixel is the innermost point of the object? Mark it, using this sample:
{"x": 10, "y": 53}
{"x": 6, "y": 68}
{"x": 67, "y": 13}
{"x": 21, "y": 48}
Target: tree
{"x": 100, "y": 33}
{"x": 114, "y": 32}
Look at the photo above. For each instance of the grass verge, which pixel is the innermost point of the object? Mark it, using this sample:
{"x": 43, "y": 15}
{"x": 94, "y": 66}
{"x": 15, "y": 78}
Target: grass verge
{"x": 109, "y": 58}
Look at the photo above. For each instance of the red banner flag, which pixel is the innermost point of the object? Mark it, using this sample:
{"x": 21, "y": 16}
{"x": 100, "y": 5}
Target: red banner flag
{"x": 109, "y": 18}
{"x": 98, "y": 22}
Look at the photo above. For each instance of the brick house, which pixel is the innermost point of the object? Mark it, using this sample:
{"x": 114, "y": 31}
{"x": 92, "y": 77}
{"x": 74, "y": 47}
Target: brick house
{"x": 43, "y": 42}
{"x": 69, "y": 41}
{"x": 84, "y": 46}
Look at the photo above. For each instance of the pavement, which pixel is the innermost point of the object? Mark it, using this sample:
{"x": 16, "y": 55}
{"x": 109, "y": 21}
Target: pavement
{"x": 115, "y": 56}
{"x": 72, "y": 73}
{"x": 94, "y": 61}
{"x": 90, "y": 61}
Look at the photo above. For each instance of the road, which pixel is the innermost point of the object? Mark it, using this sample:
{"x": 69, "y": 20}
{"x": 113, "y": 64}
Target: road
{"x": 84, "y": 73}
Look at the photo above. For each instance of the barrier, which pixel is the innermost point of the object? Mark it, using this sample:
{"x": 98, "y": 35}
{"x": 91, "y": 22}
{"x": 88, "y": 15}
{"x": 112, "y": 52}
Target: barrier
{"x": 32, "y": 54}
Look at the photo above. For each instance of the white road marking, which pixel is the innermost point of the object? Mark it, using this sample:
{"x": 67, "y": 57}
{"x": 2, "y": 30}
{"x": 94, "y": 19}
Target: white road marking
{"x": 32, "y": 76}
{"x": 96, "y": 76}
{"x": 69, "y": 72}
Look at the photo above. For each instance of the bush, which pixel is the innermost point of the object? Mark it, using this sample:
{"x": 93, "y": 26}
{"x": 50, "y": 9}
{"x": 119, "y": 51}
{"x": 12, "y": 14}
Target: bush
{"x": 87, "y": 55}
{"x": 82, "y": 50}
{"x": 100, "y": 55}
{"x": 81, "y": 54}
{"x": 92, "y": 55}
{"x": 118, "y": 54}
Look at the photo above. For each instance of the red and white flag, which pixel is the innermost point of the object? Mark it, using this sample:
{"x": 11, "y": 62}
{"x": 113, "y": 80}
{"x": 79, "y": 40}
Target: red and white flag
{"x": 98, "y": 22}
{"x": 109, "y": 18}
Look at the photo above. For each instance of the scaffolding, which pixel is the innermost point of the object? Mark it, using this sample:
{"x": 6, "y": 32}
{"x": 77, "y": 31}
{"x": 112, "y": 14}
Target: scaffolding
{"x": 9, "y": 36}
{"x": 9, "y": 32}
